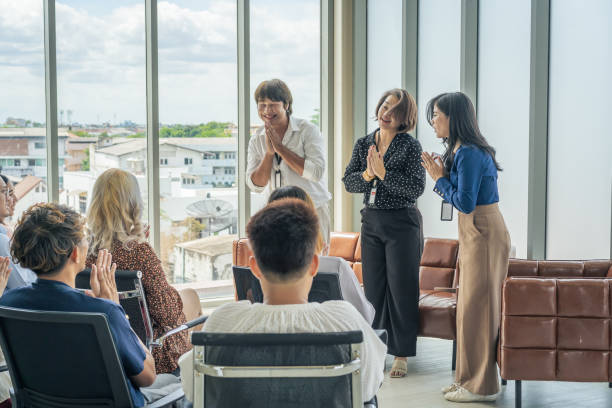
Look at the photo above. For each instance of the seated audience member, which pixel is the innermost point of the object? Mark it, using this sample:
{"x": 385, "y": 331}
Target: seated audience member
{"x": 11, "y": 200}
{"x": 21, "y": 276}
{"x": 5, "y": 378}
{"x": 349, "y": 285}
{"x": 50, "y": 239}
{"x": 114, "y": 222}
{"x": 283, "y": 236}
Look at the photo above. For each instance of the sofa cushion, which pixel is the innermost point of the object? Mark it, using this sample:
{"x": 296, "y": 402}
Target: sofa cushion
{"x": 597, "y": 268}
{"x": 560, "y": 269}
{"x": 432, "y": 277}
{"x": 438, "y": 315}
{"x": 343, "y": 245}
{"x": 440, "y": 252}
{"x": 522, "y": 267}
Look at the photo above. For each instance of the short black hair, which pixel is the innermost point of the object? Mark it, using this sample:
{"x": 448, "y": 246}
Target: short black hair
{"x": 275, "y": 90}
{"x": 283, "y": 236}
{"x": 288, "y": 192}
{"x": 45, "y": 236}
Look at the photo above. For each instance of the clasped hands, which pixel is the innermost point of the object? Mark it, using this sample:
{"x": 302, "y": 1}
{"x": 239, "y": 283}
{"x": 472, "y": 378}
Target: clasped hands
{"x": 102, "y": 278}
{"x": 433, "y": 165}
{"x": 376, "y": 166}
{"x": 273, "y": 139}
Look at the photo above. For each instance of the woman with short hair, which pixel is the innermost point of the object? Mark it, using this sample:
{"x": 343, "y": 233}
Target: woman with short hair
{"x": 114, "y": 223}
{"x": 385, "y": 168}
{"x": 466, "y": 177}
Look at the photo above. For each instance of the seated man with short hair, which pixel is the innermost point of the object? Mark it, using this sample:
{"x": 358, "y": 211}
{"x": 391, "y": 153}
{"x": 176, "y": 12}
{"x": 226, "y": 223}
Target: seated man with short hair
{"x": 283, "y": 237}
{"x": 50, "y": 240}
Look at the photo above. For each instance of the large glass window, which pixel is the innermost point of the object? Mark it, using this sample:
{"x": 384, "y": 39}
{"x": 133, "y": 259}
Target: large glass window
{"x": 22, "y": 102}
{"x": 285, "y": 44}
{"x": 198, "y": 141}
{"x": 579, "y": 147}
{"x": 101, "y": 94}
{"x": 439, "y": 55}
{"x": 503, "y": 104}
{"x": 384, "y": 65}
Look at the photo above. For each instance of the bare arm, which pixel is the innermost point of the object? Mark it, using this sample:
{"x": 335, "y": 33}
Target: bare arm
{"x": 293, "y": 160}
{"x": 147, "y": 376}
{"x": 261, "y": 175}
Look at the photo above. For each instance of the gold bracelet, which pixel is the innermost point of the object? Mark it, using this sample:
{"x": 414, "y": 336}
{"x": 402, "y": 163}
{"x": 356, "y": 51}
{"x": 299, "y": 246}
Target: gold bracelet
{"x": 366, "y": 177}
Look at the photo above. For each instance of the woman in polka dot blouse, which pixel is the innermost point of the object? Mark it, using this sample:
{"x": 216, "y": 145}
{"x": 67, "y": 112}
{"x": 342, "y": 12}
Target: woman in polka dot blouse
{"x": 386, "y": 168}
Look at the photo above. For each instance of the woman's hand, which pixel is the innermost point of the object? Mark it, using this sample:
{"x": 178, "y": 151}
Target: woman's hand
{"x": 5, "y": 271}
{"x": 102, "y": 279}
{"x": 376, "y": 164}
{"x": 434, "y": 168}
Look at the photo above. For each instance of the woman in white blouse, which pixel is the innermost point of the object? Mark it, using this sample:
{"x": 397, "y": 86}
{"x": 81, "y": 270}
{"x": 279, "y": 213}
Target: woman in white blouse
{"x": 287, "y": 151}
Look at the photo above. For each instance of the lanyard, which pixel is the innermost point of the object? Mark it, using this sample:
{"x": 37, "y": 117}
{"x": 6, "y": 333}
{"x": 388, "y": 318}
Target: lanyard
{"x": 277, "y": 172}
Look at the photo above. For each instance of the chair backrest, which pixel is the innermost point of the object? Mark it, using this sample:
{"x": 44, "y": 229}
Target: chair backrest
{"x": 132, "y": 299}
{"x": 325, "y": 286}
{"x": 62, "y": 359}
{"x": 277, "y": 370}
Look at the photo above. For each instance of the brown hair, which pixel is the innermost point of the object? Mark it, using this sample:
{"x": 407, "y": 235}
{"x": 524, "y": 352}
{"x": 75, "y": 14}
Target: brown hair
{"x": 405, "y": 110}
{"x": 45, "y": 236}
{"x": 275, "y": 90}
{"x": 283, "y": 236}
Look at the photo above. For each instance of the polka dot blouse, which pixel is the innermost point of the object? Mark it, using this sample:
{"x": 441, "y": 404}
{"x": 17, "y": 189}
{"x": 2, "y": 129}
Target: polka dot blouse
{"x": 163, "y": 301}
{"x": 405, "y": 177}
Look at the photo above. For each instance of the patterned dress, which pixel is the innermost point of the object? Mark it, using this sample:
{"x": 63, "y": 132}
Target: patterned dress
{"x": 164, "y": 303}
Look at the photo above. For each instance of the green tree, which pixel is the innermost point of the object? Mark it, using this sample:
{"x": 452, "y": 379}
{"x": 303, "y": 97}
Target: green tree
{"x": 316, "y": 118}
{"x": 85, "y": 162}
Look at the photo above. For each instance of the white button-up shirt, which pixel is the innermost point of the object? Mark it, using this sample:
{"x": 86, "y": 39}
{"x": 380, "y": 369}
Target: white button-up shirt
{"x": 304, "y": 139}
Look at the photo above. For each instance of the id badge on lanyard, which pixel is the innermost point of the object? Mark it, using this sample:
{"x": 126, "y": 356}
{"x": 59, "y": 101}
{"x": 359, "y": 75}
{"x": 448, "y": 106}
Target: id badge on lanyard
{"x": 372, "y": 198}
{"x": 277, "y": 173}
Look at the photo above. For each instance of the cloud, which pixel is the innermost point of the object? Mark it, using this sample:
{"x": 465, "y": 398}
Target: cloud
{"x": 101, "y": 58}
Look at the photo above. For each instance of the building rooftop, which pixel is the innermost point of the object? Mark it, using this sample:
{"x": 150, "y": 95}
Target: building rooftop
{"x": 29, "y": 132}
{"x": 26, "y": 185}
{"x": 210, "y": 246}
{"x": 199, "y": 144}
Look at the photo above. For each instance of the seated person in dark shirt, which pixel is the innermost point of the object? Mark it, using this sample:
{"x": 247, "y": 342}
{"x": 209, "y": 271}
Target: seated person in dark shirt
{"x": 50, "y": 239}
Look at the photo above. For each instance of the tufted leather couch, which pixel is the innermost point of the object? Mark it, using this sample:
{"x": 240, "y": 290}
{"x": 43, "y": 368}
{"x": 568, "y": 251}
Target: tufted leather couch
{"x": 556, "y": 322}
{"x": 437, "y": 305}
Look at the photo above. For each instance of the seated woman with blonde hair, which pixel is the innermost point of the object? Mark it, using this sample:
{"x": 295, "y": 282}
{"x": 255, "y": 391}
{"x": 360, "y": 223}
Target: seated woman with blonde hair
{"x": 349, "y": 285}
{"x": 114, "y": 223}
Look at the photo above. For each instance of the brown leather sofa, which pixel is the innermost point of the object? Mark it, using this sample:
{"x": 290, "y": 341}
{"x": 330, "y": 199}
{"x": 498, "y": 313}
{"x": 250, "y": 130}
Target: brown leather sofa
{"x": 437, "y": 279}
{"x": 556, "y": 322}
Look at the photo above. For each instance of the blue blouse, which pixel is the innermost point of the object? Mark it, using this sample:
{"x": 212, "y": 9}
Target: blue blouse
{"x": 472, "y": 180}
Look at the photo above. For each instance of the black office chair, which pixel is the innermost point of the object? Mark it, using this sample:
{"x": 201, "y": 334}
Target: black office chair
{"x": 277, "y": 370}
{"x": 325, "y": 286}
{"x": 65, "y": 359}
{"x": 133, "y": 300}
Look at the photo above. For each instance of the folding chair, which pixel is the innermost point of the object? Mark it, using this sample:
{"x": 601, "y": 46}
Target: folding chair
{"x": 277, "y": 370}
{"x": 133, "y": 300}
{"x": 325, "y": 286}
{"x": 65, "y": 359}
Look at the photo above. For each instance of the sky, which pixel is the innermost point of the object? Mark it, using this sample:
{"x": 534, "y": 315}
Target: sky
{"x": 101, "y": 58}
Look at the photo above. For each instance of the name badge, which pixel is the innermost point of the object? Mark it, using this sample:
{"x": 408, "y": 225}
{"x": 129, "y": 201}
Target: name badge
{"x": 277, "y": 179}
{"x": 372, "y": 198}
{"x": 446, "y": 211}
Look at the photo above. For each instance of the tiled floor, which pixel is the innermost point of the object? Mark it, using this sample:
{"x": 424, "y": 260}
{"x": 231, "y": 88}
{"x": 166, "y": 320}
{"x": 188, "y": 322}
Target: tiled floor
{"x": 430, "y": 370}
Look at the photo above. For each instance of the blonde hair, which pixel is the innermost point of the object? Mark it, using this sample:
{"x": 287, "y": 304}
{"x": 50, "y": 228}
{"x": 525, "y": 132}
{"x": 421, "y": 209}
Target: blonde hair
{"x": 115, "y": 210}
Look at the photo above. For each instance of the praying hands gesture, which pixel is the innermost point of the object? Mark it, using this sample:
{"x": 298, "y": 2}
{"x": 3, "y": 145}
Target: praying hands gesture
{"x": 5, "y": 271}
{"x": 273, "y": 139}
{"x": 433, "y": 165}
{"x": 102, "y": 279}
{"x": 376, "y": 166}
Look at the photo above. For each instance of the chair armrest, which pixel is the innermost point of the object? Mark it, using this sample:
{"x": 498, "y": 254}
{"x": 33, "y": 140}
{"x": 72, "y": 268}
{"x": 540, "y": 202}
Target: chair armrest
{"x": 382, "y": 335}
{"x": 441, "y": 289}
{"x": 160, "y": 341}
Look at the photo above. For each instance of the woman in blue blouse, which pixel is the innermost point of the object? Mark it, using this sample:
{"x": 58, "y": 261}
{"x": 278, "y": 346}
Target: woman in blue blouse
{"x": 466, "y": 176}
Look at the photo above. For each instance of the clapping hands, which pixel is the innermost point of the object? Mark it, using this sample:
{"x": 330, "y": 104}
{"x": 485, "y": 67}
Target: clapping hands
{"x": 5, "y": 271}
{"x": 102, "y": 279}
